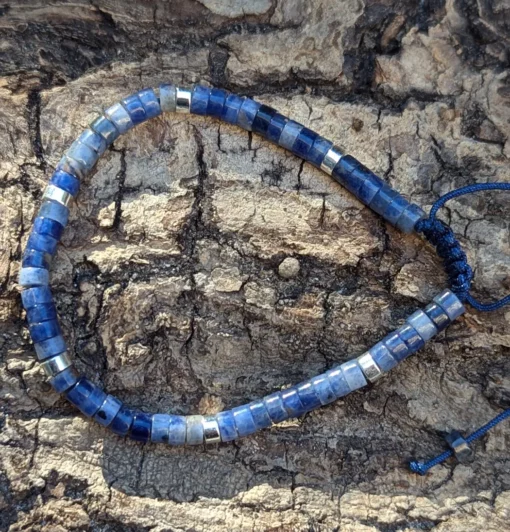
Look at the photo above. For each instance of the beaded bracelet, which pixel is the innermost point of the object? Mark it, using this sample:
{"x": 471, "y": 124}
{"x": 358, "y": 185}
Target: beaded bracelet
{"x": 226, "y": 426}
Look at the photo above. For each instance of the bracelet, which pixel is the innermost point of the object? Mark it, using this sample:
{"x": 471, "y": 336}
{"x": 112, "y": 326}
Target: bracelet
{"x": 297, "y": 400}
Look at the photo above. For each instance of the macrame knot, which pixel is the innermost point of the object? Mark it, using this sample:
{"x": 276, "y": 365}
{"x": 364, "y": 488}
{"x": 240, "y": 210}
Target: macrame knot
{"x": 460, "y": 274}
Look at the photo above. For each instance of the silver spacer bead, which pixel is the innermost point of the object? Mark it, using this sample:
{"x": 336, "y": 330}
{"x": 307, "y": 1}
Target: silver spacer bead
{"x": 55, "y": 365}
{"x": 370, "y": 369}
{"x": 57, "y": 194}
{"x": 211, "y": 430}
{"x": 183, "y": 100}
{"x": 331, "y": 159}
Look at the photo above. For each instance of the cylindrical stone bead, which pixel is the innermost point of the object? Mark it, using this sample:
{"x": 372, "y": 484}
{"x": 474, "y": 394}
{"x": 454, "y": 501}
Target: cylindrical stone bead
{"x": 85, "y": 156}
{"x": 227, "y": 426}
{"x": 47, "y": 226}
{"x": 410, "y": 217}
{"x": 141, "y": 427}
{"x": 322, "y": 388}
{"x": 108, "y": 410}
{"x": 370, "y": 187}
{"x": 71, "y": 166}
{"x": 94, "y": 141}
{"x": 231, "y": 108}
{"x": 200, "y": 100}
{"x": 159, "y": 428}
{"x": 194, "y": 430}
{"x": 65, "y": 181}
{"x": 292, "y": 402}
{"x": 423, "y": 325}
{"x": 54, "y": 210}
{"x": 122, "y": 421}
{"x": 41, "y": 313}
{"x": 338, "y": 383}
{"x": 260, "y": 415}
{"x": 247, "y": 113}
{"x": 450, "y": 303}
{"x": 383, "y": 357}
{"x": 383, "y": 199}
{"x": 262, "y": 119}
{"x": 303, "y": 144}
{"x": 119, "y": 117}
{"x": 33, "y": 258}
{"x": 216, "y": 103}
{"x": 289, "y": 134}
{"x": 106, "y": 128}
{"x": 50, "y": 347}
{"x": 150, "y": 103}
{"x": 411, "y": 337}
{"x": 167, "y": 97}
{"x": 44, "y": 243}
{"x": 395, "y": 209}
{"x": 350, "y": 173}
{"x": 39, "y": 295}
{"x": 243, "y": 418}
{"x": 353, "y": 375}
{"x": 307, "y": 396}
{"x": 275, "y": 128}
{"x": 318, "y": 151}
{"x": 64, "y": 380}
{"x": 33, "y": 277}
{"x": 86, "y": 396}
{"x": 44, "y": 330}
{"x": 396, "y": 346}
{"x": 135, "y": 109}
{"x": 438, "y": 315}
{"x": 177, "y": 430}
{"x": 275, "y": 407}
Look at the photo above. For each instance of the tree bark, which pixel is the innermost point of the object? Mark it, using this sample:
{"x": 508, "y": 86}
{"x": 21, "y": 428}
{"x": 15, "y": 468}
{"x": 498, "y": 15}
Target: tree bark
{"x": 173, "y": 282}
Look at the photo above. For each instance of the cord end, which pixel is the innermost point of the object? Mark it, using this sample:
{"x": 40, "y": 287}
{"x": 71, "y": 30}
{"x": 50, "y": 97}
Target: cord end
{"x": 417, "y": 467}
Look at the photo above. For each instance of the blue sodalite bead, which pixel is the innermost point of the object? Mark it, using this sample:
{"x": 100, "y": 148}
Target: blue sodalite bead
{"x": 200, "y": 100}
{"x": 35, "y": 259}
{"x": 64, "y": 380}
{"x": 353, "y": 375}
{"x": 323, "y": 389}
{"x": 66, "y": 182}
{"x": 50, "y": 347}
{"x": 177, "y": 430}
{"x": 410, "y": 218}
{"x": 54, "y": 210}
{"x": 411, "y": 337}
{"x": 44, "y": 243}
{"x": 350, "y": 173}
{"x": 247, "y": 113}
{"x": 44, "y": 330}
{"x": 150, "y": 103}
{"x": 338, "y": 383}
{"x": 168, "y": 97}
{"x": 141, "y": 427}
{"x": 289, "y": 134}
{"x": 33, "y": 277}
{"x": 106, "y": 128}
{"x": 383, "y": 357}
{"x": 260, "y": 415}
{"x": 318, "y": 151}
{"x": 262, "y": 119}
{"x": 396, "y": 346}
{"x": 85, "y": 157}
{"x": 244, "y": 420}
{"x": 216, "y": 103}
{"x": 292, "y": 403}
{"x": 227, "y": 425}
{"x": 383, "y": 199}
{"x": 275, "y": 407}
{"x": 39, "y": 295}
{"x": 438, "y": 316}
{"x": 395, "y": 209}
{"x": 120, "y": 118}
{"x": 41, "y": 313}
{"x": 303, "y": 144}
{"x": 370, "y": 187}
{"x": 47, "y": 226}
{"x": 231, "y": 108}
{"x": 94, "y": 141}
{"x": 423, "y": 324}
{"x": 194, "y": 430}
{"x": 86, "y": 396}
{"x": 307, "y": 396}
{"x": 135, "y": 109}
{"x": 108, "y": 410}
{"x": 276, "y": 126}
{"x": 159, "y": 430}
{"x": 450, "y": 303}
{"x": 122, "y": 421}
